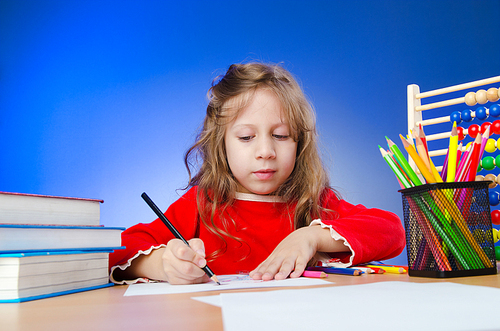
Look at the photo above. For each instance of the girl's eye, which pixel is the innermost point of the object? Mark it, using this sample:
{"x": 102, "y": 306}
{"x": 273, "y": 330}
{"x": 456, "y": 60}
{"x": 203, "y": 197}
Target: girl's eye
{"x": 245, "y": 138}
{"x": 280, "y": 136}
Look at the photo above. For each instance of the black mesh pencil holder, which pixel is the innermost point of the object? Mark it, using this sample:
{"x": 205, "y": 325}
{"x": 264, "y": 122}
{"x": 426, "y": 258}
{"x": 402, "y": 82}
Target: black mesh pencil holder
{"x": 448, "y": 230}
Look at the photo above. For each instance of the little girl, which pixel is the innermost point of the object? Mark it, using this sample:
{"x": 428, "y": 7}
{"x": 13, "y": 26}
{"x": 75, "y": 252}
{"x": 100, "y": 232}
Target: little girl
{"x": 260, "y": 200}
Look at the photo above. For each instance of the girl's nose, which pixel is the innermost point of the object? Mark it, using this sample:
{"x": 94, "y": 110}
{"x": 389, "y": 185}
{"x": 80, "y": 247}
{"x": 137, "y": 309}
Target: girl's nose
{"x": 265, "y": 149}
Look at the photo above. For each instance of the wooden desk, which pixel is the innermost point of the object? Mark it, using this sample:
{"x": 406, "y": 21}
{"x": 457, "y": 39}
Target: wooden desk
{"x": 108, "y": 309}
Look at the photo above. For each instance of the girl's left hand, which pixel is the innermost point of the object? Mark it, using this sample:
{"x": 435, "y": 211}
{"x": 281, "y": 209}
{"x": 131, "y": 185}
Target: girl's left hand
{"x": 292, "y": 254}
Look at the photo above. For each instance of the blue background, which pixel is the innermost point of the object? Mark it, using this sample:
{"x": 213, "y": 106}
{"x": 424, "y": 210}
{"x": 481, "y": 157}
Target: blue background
{"x": 100, "y": 99}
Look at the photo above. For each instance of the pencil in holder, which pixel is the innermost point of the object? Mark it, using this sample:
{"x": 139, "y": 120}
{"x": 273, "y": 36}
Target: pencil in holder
{"x": 448, "y": 230}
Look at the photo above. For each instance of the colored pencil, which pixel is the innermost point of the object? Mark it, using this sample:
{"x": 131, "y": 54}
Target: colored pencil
{"x": 418, "y": 161}
{"x": 340, "y": 271}
{"x": 402, "y": 161}
{"x": 392, "y": 270}
{"x": 176, "y": 233}
{"x": 452, "y": 154}
{"x": 368, "y": 270}
{"x": 484, "y": 140}
{"x": 422, "y": 153}
{"x": 314, "y": 274}
{"x": 395, "y": 168}
{"x": 474, "y": 159}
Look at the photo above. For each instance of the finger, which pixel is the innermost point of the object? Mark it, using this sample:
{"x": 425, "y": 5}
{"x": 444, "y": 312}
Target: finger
{"x": 300, "y": 266}
{"x": 269, "y": 271}
{"x": 286, "y": 268}
{"x": 198, "y": 246}
{"x": 185, "y": 253}
{"x": 180, "y": 271}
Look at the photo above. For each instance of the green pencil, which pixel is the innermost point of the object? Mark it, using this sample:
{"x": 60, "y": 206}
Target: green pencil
{"x": 402, "y": 161}
{"x": 395, "y": 168}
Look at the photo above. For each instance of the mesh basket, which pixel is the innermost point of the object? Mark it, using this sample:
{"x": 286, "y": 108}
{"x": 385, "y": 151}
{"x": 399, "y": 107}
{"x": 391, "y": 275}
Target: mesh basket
{"x": 448, "y": 230}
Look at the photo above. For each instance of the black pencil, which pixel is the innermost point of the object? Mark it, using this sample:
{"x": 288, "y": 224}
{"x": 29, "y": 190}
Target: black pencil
{"x": 175, "y": 232}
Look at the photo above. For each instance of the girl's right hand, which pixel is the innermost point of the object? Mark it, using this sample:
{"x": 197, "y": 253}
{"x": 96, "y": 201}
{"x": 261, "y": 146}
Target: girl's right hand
{"x": 182, "y": 263}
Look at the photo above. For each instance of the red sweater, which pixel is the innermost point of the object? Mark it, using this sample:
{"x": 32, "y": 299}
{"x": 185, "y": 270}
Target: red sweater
{"x": 371, "y": 234}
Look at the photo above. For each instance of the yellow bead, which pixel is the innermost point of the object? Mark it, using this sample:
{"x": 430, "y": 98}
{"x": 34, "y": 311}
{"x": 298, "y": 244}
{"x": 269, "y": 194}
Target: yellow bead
{"x": 492, "y": 94}
{"x": 495, "y": 235}
{"x": 479, "y": 235}
{"x": 481, "y": 97}
{"x": 491, "y": 146}
{"x": 470, "y": 99}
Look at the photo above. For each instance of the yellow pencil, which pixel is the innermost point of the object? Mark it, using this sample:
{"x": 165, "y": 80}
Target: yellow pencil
{"x": 452, "y": 154}
{"x": 418, "y": 161}
{"x": 388, "y": 269}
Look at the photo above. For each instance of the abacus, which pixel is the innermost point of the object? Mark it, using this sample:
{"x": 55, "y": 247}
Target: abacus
{"x": 466, "y": 104}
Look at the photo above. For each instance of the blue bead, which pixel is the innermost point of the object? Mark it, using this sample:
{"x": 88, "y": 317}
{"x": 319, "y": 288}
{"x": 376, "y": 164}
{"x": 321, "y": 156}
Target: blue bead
{"x": 467, "y": 115}
{"x": 456, "y": 117}
{"x": 481, "y": 113}
{"x": 495, "y": 110}
{"x": 494, "y": 198}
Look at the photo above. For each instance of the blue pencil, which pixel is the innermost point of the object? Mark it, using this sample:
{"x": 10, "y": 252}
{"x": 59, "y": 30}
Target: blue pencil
{"x": 341, "y": 271}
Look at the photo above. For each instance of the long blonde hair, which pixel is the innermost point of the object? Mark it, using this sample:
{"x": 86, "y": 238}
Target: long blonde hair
{"x": 216, "y": 184}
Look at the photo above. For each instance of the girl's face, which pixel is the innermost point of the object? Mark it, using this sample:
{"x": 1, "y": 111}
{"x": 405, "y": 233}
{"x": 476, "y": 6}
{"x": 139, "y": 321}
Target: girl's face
{"x": 260, "y": 150}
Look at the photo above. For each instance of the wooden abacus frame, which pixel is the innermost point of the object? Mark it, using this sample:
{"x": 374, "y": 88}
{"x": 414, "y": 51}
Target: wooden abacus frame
{"x": 415, "y": 107}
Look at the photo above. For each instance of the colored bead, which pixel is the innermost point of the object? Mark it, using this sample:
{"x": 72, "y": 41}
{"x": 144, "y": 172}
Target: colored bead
{"x": 460, "y": 132}
{"x": 479, "y": 235}
{"x": 497, "y": 159}
{"x": 481, "y": 97}
{"x": 467, "y": 115}
{"x": 492, "y": 94}
{"x": 494, "y": 198}
{"x": 481, "y": 113}
{"x": 495, "y": 217}
{"x": 491, "y": 146}
{"x": 455, "y": 117}
{"x": 470, "y": 99}
{"x": 488, "y": 163}
{"x": 484, "y": 126}
{"x": 495, "y": 127}
{"x": 494, "y": 234}
{"x": 492, "y": 178}
{"x": 473, "y": 130}
{"x": 494, "y": 110}
{"x": 497, "y": 252}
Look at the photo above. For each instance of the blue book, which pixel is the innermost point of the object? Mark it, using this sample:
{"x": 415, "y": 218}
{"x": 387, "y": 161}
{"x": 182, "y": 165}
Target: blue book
{"x": 25, "y": 238}
{"x": 36, "y": 275}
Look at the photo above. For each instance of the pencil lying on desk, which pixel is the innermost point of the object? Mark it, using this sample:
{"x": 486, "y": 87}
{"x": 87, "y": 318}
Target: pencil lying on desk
{"x": 389, "y": 269}
{"x": 314, "y": 274}
{"x": 175, "y": 232}
{"x": 340, "y": 271}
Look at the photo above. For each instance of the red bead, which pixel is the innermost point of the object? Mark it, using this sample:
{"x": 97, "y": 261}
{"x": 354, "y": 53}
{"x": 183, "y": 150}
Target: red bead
{"x": 460, "y": 132}
{"x": 484, "y": 126}
{"x": 473, "y": 130}
{"x": 495, "y": 127}
{"x": 495, "y": 217}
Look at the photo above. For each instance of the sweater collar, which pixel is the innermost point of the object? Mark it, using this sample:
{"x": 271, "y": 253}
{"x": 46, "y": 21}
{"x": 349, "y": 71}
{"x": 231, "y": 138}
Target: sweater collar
{"x": 258, "y": 197}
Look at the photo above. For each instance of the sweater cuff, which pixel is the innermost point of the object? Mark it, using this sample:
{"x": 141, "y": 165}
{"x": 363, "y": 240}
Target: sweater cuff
{"x": 326, "y": 258}
{"x": 128, "y": 263}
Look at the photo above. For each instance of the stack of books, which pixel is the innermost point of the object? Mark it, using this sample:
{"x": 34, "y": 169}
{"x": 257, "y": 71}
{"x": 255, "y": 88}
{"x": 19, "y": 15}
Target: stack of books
{"x": 51, "y": 246}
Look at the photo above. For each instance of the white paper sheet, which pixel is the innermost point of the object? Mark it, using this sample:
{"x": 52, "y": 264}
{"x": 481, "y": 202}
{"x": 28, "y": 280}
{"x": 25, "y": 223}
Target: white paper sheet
{"x": 377, "y": 306}
{"x": 228, "y": 282}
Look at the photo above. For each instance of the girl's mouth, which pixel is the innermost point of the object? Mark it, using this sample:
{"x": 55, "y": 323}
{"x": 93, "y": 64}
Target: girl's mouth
{"x": 265, "y": 173}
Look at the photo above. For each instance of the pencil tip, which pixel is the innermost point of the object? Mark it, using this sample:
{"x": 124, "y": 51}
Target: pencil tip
{"x": 214, "y": 278}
